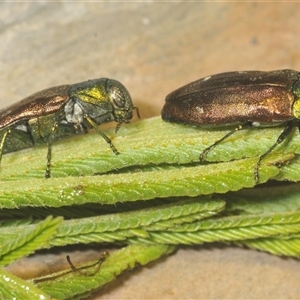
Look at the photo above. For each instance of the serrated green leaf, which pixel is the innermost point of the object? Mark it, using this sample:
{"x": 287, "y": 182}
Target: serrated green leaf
{"x": 157, "y": 160}
{"x": 119, "y": 226}
{"x": 182, "y": 148}
{"x": 275, "y": 246}
{"x": 240, "y": 221}
{"x": 290, "y": 171}
{"x": 264, "y": 199}
{"x": 110, "y": 189}
{"x": 217, "y": 235}
{"x": 22, "y": 240}
{"x": 12, "y": 287}
{"x": 74, "y": 283}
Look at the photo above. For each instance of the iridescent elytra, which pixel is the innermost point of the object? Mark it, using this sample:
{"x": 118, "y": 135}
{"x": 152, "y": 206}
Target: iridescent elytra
{"x": 64, "y": 110}
{"x": 242, "y": 98}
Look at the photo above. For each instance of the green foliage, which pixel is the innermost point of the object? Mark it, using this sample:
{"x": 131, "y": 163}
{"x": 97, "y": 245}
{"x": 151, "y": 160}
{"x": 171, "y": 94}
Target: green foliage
{"x": 152, "y": 197}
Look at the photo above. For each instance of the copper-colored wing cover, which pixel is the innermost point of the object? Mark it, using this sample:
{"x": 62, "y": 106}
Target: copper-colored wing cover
{"x": 234, "y": 97}
{"x": 39, "y": 104}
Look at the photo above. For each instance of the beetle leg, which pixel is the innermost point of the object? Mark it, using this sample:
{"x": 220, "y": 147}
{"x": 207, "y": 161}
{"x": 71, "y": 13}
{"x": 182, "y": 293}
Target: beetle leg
{"x": 49, "y": 153}
{"x": 118, "y": 126}
{"x": 106, "y": 138}
{"x": 2, "y": 143}
{"x": 284, "y": 134}
{"x": 206, "y": 150}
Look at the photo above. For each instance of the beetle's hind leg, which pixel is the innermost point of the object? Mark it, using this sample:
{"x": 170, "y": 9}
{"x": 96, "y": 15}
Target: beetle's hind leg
{"x": 2, "y": 143}
{"x": 208, "y": 149}
{"x": 284, "y": 134}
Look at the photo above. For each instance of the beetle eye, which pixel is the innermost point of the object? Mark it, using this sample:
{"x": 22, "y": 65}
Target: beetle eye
{"x": 117, "y": 96}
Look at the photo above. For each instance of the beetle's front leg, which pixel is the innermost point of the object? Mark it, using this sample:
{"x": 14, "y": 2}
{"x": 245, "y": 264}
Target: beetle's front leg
{"x": 106, "y": 138}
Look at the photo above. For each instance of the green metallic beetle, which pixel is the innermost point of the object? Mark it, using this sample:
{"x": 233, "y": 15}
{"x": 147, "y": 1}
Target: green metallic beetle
{"x": 246, "y": 98}
{"x": 64, "y": 110}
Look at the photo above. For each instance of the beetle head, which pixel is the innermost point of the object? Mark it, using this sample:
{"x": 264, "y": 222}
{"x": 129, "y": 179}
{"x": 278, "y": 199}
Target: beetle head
{"x": 121, "y": 102}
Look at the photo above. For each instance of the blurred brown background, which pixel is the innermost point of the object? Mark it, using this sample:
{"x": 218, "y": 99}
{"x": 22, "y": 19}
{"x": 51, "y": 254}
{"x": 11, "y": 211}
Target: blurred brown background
{"x": 154, "y": 48}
